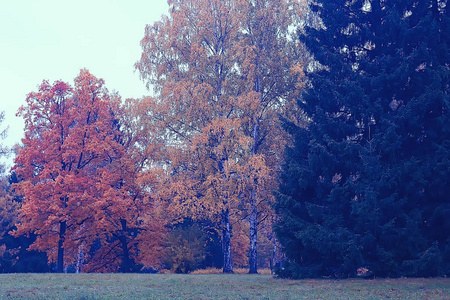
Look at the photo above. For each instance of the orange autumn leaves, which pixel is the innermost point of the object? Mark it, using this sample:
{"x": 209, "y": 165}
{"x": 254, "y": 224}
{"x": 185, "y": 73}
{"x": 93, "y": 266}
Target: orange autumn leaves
{"x": 79, "y": 180}
{"x": 223, "y": 72}
{"x": 102, "y": 178}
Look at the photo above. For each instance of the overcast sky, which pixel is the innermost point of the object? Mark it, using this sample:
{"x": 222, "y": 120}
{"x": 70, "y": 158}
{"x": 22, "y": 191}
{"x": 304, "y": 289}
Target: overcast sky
{"x": 54, "y": 39}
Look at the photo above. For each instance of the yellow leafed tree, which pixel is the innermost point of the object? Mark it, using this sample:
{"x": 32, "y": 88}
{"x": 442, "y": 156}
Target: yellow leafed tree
{"x": 223, "y": 73}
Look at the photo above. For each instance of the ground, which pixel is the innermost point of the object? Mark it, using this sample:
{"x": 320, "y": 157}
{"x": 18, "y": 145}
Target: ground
{"x": 213, "y": 286}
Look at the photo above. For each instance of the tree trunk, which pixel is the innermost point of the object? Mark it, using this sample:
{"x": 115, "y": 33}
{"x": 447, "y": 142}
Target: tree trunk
{"x": 226, "y": 226}
{"x": 253, "y": 234}
{"x": 125, "y": 267}
{"x": 80, "y": 258}
{"x": 226, "y": 241}
{"x": 60, "y": 260}
{"x": 274, "y": 255}
{"x": 254, "y": 209}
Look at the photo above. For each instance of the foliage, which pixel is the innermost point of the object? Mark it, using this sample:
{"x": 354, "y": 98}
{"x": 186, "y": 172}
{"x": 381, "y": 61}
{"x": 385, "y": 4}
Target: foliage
{"x": 366, "y": 184}
{"x": 3, "y": 132}
{"x": 185, "y": 247}
{"x": 8, "y": 206}
{"x": 79, "y": 180}
{"x": 222, "y": 72}
{"x": 15, "y": 258}
{"x": 13, "y": 255}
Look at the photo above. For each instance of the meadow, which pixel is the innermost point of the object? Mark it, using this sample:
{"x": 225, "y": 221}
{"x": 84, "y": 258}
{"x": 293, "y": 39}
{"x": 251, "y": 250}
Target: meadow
{"x": 213, "y": 286}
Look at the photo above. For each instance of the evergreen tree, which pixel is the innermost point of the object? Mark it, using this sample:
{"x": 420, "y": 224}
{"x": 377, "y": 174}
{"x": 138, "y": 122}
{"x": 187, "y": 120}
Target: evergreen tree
{"x": 366, "y": 183}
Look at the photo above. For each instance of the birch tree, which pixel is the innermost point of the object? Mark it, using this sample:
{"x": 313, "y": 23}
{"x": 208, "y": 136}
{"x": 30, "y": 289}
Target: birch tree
{"x": 223, "y": 72}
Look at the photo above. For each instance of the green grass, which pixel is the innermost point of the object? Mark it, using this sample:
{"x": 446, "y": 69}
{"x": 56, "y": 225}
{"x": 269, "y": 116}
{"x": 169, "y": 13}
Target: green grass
{"x": 215, "y": 286}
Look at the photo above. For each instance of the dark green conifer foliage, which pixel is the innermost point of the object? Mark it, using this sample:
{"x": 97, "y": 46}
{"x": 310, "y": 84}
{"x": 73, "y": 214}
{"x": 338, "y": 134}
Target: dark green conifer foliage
{"x": 367, "y": 183}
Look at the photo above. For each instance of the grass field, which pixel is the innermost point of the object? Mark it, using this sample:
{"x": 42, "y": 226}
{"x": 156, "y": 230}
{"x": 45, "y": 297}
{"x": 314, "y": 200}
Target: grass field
{"x": 212, "y": 286}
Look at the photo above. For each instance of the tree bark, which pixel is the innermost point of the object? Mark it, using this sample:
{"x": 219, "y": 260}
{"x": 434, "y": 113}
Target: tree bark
{"x": 125, "y": 267}
{"x": 80, "y": 258}
{"x": 253, "y": 207}
{"x": 226, "y": 241}
{"x": 60, "y": 259}
{"x": 253, "y": 234}
{"x": 274, "y": 256}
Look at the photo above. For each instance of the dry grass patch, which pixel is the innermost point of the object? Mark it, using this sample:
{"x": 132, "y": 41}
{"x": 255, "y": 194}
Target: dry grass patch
{"x": 236, "y": 271}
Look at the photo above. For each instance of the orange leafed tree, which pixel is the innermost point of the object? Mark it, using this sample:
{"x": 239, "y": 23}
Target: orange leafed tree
{"x": 223, "y": 73}
{"x": 79, "y": 178}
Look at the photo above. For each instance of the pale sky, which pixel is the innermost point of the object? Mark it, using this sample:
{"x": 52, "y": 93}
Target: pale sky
{"x": 54, "y": 39}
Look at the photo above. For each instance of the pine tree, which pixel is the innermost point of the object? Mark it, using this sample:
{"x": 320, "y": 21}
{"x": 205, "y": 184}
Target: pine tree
{"x": 366, "y": 183}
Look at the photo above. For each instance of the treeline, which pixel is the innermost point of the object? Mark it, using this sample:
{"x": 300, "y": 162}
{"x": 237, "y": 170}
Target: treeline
{"x": 319, "y": 128}
{"x": 180, "y": 180}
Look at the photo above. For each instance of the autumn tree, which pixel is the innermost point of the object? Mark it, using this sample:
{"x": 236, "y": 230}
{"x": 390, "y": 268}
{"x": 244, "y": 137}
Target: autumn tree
{"x": 140, "y": 229}
{"x": 78, "y": 177}
{"x": 271, "y": 68}
{"x": 222, "y": 71}
{"x": 187, "y": 57}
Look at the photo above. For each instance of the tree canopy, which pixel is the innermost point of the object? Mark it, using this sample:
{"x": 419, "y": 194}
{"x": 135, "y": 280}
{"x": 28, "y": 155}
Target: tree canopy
{"x": 81, "y": 198}
{"x": 365, "y": 184}
{"x": 321, "y": 125}
{"x": 223, "y": 73}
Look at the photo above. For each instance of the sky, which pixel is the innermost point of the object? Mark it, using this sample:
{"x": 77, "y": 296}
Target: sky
{"x": 55, "y": 39}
